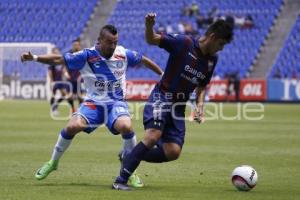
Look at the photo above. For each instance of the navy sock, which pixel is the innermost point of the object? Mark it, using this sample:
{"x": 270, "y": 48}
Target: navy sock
{"x": 131, "y": 162}
{"x": 155, "y": 155}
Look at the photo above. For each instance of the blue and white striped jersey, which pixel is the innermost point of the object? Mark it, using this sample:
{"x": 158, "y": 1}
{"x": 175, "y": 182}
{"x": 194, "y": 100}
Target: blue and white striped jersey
{"x": 104, "y": 79}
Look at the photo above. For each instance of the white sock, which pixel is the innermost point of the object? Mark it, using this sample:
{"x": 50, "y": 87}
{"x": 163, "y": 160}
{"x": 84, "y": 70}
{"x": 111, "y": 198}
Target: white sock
{"x": 60, "y": 147}
{"x": 129, "y": 144}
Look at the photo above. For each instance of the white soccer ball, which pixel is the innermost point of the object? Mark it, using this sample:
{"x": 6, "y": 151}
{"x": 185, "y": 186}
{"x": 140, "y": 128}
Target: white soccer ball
{"x": 244, "y": 177}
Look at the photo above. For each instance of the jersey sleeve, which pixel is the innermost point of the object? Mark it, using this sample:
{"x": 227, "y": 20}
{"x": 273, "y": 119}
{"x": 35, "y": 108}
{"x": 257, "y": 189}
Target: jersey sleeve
{"x": 133, "y": 58}
{"x": 173, "y": 43}
{"x": 75, "y": 61}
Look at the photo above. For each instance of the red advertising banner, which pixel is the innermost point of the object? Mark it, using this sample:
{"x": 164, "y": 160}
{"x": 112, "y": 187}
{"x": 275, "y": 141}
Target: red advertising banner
{"x": 253, "y": 90}
{"x": 217, "y": 90}
{"x": 139, "y": 89}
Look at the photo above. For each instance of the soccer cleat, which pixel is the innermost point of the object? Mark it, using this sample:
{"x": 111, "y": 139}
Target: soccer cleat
{"x": 135, "y": 181}
{"x": 46, "y": 169}
{"x": 120, "y": 186}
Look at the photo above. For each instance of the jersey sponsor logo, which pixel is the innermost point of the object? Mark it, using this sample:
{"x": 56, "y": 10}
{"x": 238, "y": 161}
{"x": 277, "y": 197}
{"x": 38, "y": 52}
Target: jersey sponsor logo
{"x": 194, "y": 72}
{"x": 107, "y": 85}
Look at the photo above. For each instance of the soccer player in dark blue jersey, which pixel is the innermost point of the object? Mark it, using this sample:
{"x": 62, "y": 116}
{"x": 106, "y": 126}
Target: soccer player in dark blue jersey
{"x": 190, "y": 66}
{"x": 74, "y": 78}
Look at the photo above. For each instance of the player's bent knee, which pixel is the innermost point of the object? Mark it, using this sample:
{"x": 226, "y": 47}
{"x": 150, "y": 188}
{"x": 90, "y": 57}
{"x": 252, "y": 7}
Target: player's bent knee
{"x": 172, "y": 151}
{"x": 75, "y": 125}
{"x": 151, "y": 138}
{"x": 123, "y": 125}
{"x": 125, "y": 128}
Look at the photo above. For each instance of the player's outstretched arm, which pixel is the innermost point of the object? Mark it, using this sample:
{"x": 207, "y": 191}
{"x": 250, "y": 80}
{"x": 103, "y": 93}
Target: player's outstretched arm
{"x": 199, "y": 110}
{"x": 50, "y": 59}
{"x": 152, "y": 65}
{"x": 150, "y": 35}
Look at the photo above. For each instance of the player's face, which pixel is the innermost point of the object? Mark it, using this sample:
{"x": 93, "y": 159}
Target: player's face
{"x": 76, "y": 46}
{"x": 108, "y": 43}
{"x": 216, "y": 44}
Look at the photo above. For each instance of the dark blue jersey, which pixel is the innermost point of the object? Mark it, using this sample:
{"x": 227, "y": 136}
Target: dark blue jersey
{"x": 187, "y": 67}
{"x": 57, "y": 72}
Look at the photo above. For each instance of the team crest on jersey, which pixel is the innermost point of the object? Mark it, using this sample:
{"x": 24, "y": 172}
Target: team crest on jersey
{"x": 119, "y": 64}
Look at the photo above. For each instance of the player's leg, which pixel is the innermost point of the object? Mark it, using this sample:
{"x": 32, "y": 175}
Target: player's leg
{"x": 154, "y": 122}
{"x": 71, "y": 96}
{"x": 133, "y": 159}
{"x": 75, "y": 125}
{"x": 169, "y": 146}
{"x": 58, "y": 101}
{"x": 119, "y": 122}
{"x": 52, "y": 99}
{"x": 87, "y": 119}
{"x": 165, "y": 153}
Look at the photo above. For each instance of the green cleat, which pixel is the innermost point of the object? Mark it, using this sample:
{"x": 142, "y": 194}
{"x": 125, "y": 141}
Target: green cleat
{"x": 135, "y": 181}
{"x": 46, "y": 169}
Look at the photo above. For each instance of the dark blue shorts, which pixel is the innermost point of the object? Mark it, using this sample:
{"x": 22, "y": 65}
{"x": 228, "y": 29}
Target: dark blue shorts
{"x": 58, "y": 85}
{"x": 161, "y": 114}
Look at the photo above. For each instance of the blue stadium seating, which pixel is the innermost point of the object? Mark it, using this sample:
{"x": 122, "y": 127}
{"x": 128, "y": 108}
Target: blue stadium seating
{"x": 287, "y": 64}
{"x": 236, "y": 57}
{"x": 55, "y": 21}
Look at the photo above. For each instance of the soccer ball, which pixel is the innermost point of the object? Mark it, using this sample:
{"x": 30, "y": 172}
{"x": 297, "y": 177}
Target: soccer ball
{"x": 244, "y": 178}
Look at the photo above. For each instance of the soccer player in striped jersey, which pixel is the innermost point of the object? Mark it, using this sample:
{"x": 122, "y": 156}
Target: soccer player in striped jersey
{"x": 103, "y": 69}
{"x": 190, "y": 66}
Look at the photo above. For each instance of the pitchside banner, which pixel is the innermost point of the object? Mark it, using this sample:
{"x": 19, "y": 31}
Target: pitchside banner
{"x": 253, "y": 90}
{"x": 139, "y": 89}
{"x": 249, "y": 90}
{"x": 283, "y": 90}
{"x": 218, "y": 90}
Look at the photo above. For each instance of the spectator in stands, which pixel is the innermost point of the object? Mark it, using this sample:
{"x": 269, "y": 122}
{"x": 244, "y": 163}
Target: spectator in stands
{"x": 161, "y": 28}
{"x": 180, "y": 27}
{"x": 189, "y": 30}
{"x": 169, "y": 28}
{"x": 194, "y": 9}
{"x": 204, "y": 21}
{"x": 248, "y": 22}
{"x": 243, "y": 21}
{"x": 229, "y": 18}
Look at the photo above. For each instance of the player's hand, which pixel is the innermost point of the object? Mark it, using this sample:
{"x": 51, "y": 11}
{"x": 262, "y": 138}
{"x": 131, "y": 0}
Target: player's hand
{"x": 26, "y": 56}
{"x": 199, "y": 114}
{"x": 150, "y": 19}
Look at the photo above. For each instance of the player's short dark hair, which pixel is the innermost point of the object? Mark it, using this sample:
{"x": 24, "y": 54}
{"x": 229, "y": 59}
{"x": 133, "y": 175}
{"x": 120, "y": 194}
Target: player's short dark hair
{"x": 221, "y": 29}
{"x": 110, "y": 28}
{"x": 76, "y": 40}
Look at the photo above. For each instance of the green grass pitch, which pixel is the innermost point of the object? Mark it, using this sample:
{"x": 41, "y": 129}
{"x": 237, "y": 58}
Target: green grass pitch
{"x": 211, "y": 151}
